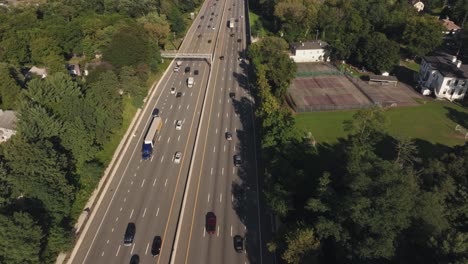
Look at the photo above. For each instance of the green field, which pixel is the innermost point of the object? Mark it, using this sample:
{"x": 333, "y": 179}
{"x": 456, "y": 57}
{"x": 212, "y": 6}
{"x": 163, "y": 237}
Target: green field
{"x": 433, "y": 122}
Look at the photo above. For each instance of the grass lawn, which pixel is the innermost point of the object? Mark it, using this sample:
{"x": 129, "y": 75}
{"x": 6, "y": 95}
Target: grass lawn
{"x": 433, "y": 122}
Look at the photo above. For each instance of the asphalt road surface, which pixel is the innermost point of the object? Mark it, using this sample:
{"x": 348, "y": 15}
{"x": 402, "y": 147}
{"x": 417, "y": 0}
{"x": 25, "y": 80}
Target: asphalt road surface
{"x": 171, "y": 200}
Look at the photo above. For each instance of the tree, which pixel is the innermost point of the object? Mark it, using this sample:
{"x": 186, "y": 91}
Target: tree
{"x": 130, "y": 83}
{"x": 301, "y": 243}
{"x": 422, "y": 35}
{"x": 9, "y": 89}
{"x": 21, "y": 239}
{"x": 371, "y": 54}
{"x": 367, "y": 125}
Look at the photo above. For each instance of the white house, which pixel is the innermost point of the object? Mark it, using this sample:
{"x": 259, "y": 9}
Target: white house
{"x": 417, "y": 4}
{"x": 7, "y": 125}
{"x": 443, "y": 75}
{"x": 450, "y": 27}
{"x": 310, "y": 51}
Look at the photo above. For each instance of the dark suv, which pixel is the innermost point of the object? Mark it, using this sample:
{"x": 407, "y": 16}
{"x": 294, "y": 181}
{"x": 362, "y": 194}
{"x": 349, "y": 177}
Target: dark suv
{"x": 238, "y": 243}
{"x": 156, "y": 247}
{"x": 155, "y": 112}
{"x": 237, "y": 160}
{"x": 129, "y": 234}
{"x": 187, "y": 69}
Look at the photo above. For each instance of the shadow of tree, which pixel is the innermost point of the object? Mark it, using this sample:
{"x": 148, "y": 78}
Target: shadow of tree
{"x": 458, "y": 117}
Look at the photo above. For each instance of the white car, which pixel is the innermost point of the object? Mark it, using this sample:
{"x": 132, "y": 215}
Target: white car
{"x": 176, "y": 69}
{"x": 178, "y": 125}
{"x": 173, "y": 90}
{"x": 213, "y": 28}
{"x": 177, "y": 157}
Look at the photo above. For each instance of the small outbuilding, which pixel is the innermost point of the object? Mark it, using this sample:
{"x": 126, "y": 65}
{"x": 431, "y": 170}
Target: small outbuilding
{"x": 383, "y": 80}
{"x": 7, "y": 125}
{"x": 309, "y": 51}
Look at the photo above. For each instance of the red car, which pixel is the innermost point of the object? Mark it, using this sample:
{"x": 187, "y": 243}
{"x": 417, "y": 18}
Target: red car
{"x": 210, "y": 223}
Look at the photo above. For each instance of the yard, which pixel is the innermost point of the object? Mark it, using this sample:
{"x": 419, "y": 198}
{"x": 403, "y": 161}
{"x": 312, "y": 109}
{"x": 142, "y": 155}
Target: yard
{"x": 433, "y": 122}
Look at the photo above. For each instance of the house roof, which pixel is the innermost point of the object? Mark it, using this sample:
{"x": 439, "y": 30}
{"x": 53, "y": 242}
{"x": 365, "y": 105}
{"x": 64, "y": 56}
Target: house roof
{"x": 38, "y": 71}
{"x": 450, "y": 25}
{"x": 8, "y": 119}
{"x": 383, "y": 78}
{"x": 309, "y": 45}
{"x": 444, "y": 64}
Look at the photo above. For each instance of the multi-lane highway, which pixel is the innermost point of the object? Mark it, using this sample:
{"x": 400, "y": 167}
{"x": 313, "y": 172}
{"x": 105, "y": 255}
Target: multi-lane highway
{"x": 171, "y": 200}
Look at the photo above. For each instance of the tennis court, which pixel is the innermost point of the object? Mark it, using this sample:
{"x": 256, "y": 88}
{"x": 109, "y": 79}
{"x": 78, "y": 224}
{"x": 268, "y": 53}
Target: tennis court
{"x": 320, "y": 86}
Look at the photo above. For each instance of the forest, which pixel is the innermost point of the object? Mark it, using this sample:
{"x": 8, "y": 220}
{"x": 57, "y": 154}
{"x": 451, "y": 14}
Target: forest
{"x": 49, "y": 169}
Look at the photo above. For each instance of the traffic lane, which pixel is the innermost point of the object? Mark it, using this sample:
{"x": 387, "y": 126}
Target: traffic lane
{"x": 186, "y": 227}
{"x": 170, "y": 226}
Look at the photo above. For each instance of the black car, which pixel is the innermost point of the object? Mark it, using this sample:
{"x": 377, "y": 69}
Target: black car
{"x": 129, "y": 234}
{"x": 237, "y": 160}
{"x": 156, "y": 247}
{"x": 135, "y": 259}
{"x": 239, "y": 243}
{"x": 221, "y": 57}
{"x": 195, "y": 72}
{"x": 232, "y": 35}
{"x": 237, "y": 20}
{"x": 211, "y": 19}
{"x": 155, "y": 112}
{"x": 228, "y": 136}
{"x": 209, "y": 41}
{"x": 199, "y": 35}
{"x": 232, "y": 94}
{"x": 178, "y": 94}
{"x": 239, "y": 40}
{"x": 212, "y": 13}
{"x": 210, "y": 223}
{"x": 187, "y": 69}
{"x": 202, "y": 17}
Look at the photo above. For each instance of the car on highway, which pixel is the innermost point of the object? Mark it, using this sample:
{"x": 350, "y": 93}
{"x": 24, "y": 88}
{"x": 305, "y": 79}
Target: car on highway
{"x": 213, "y": 28}
{"x": 228, "y": 135}
{"x": 178, "y": 94}
{"x": 237, "y": 160}
{"x": 212, "y": 13}
{"x": 211, "y": 19}
{"x": 177, "y": 157}
{"x": 155, "y": 112}
{"x": 202, "y": 17}
{"x": 238, "y": 243}
{"x": 232, "y": 35}
{"x": 156, "y": 246}
{"x": 239, "y": 40}
{"x": 195, "y": 72}
{"x": 209, "y": 41}
{"x": 129, "y": 234}
{"x": 221, "y": 57}
{"x": 176, "y": 69}
{"x": 210, "y": 223}
{"x": 135, "y": 259}
{"x": 237, "y": 20}
{"x": 198, "y": 26}
{"x": 187, "y": 69}
{"x": 199, "y": 35}
{"x": 232, "y": 94}
{"x": 178, "y": 125}
{"x": 172, "y": 90}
